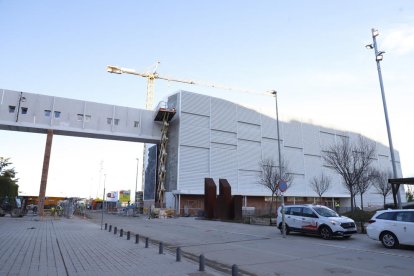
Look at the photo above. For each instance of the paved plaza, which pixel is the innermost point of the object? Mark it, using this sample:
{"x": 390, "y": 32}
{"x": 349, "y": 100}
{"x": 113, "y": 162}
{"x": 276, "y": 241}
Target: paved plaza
{"x": 33, "y": 246}
{"x": 78, "y": 246}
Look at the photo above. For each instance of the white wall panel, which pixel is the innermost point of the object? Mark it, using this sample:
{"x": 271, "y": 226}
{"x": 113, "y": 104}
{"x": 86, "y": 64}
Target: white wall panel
{"x": 270, "y": 150}
{"x": 223, "y": 137}
{"x": 249, "y": 155}
{"x": 248, "y": 115}
{"x": 269, "y": 127}
{"x": 224, "y": 165}
{"x": 293, "y": 134}
{"x": 223, "y": 115}
{"x": 249, "y": 185}
{"x": 193, "y": 159}
{"x": 327, "y": 139}
{"x": 197, "y": 120}
{"x": 311, "y": 144}
{"x": 192, "y": 182}
{"x": 195, "y": 130}
{"x": 294, "y": 159}
{"x": 249, "y": 132}
{"x": 195, "y": 103}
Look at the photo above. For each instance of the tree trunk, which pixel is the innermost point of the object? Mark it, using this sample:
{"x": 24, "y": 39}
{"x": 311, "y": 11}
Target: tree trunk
{"x": 362, "y": 202}
{"x": 384, "y": 200}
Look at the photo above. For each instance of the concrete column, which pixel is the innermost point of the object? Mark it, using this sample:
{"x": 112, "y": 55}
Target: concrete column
{"x": 45, "y": 171}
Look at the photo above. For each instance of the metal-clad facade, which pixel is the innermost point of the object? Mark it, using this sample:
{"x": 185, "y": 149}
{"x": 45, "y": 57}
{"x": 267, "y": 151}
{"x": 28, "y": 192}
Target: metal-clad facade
{"x": 220, "y": 139}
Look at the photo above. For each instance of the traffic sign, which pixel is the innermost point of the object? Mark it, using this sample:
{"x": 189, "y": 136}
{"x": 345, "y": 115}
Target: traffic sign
{"x": 282, "y": 186}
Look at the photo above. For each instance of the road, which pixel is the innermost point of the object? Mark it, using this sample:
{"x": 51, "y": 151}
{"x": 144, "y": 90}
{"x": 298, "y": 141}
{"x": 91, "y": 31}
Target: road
{"x": 261, "y": 250}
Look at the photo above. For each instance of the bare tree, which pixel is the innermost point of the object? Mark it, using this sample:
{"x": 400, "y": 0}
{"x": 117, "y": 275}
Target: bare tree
{"x": 270, "y": 177}
{"x": 381, "y": 184}
{"x": 320, "y": 184}
{"x": 364, "y": 183}
{"x": 350, "y": 161}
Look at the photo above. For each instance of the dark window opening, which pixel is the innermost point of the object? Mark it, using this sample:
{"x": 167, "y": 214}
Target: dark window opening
{"x": 24, "y": 110}
{"x": 47, "y": 113}
{"x": 57, "y": 114}
{"x": 12, "y": 108}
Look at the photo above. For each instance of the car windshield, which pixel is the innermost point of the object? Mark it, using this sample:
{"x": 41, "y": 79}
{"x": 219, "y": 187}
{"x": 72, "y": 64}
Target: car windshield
{"x": 325, "y": 212}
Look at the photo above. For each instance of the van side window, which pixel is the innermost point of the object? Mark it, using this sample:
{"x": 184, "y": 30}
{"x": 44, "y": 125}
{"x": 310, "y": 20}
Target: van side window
{"x": 307, "y": 212}
{"x": 296, "y": 211}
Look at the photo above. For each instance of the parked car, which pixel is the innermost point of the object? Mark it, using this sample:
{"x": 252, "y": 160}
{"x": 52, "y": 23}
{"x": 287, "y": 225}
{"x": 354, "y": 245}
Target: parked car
{"x": 316, "y": 219}
{"x": 392, "y": 227}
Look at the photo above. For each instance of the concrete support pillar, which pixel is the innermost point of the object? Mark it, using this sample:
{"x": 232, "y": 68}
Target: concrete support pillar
{"x": 45, "y": 171}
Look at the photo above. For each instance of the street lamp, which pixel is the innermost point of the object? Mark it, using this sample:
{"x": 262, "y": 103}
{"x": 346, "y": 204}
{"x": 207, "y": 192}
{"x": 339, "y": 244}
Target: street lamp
{"x": 274, "y": 93}
{"x": 379, "y": 57}
{"x": 103, "y": 201}
{"x": 136, "y": 185}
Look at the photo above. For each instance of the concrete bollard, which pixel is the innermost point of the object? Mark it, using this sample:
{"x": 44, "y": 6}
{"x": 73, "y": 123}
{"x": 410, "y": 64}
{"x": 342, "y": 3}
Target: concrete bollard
{"x": 137, "y": 238}
{"x": 146, "y": 242}
{"x": 110, "y": 228}
{"x": 128, "y": 235}
{"x": 115, "y": 230}
{"x": 121, "y": 233}
{"x": 106, "y": 226}
{"x": 202, "y": 262}
{"x": 234, "y": 270}
{"x": 178, "y": 254}
{"x": 161, "y": 248}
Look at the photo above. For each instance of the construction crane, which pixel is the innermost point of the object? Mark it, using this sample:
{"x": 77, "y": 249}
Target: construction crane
{"x": 151, "y": 77}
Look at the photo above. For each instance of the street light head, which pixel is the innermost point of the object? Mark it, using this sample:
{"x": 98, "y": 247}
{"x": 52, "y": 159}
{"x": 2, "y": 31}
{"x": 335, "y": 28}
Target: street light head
{"x": 375, "y": 33}
{"x": 273, "y": 92}
{"x": 113, "y": 69}
{"x": 380, "y": 56}
{"x": 369, "y": 46}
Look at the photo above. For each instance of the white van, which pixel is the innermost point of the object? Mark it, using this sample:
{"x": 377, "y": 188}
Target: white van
{"x": 316, "y": 219}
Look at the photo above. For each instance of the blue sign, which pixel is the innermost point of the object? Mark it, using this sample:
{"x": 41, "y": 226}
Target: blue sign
{"x": 282, "y": 186}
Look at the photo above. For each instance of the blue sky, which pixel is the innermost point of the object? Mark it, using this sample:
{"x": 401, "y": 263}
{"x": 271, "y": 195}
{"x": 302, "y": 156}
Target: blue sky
{"x": 311, "y": 52}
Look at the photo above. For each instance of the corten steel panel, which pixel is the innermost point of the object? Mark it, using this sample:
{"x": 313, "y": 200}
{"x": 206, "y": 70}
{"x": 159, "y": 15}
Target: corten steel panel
{"x": 237, "y": 207}
{"x": 224, "y": 199}
{"x": 210, "y": 193}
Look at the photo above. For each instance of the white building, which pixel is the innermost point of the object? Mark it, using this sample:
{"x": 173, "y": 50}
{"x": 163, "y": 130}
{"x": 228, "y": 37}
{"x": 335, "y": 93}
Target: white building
{"x": 215, "y": 138}
{"x": 207, "y": 138}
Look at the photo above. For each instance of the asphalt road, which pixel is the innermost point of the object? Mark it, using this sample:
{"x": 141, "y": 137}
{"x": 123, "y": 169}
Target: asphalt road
{"x": 261, "y": 250}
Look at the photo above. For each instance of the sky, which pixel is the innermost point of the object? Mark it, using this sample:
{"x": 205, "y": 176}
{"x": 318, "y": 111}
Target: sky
{"x": 311, "y": 51}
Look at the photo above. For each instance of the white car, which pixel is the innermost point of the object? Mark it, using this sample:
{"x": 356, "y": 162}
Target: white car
{"x": 316, "y": 219}
{"x": 392, "y": 227}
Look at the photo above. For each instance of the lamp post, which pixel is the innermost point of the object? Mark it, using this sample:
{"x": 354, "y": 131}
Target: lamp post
{"x": 379, "y": 57}
{"x": 274, "y": 93}
{"x": 103, "y": 201}
{"x": 136, "y": 185}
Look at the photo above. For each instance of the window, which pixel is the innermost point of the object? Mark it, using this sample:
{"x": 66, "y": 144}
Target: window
{"x": 79, "y": 117}
{"x": 88, "y": 118}
{"x": 24, "y": 110}
{"x": 47, "y": 113}
{"x": 387, "y": 216}
{"x": 109, "y": 121}
{"x": 57, "y": 114}
{"x": 307, "y": 212}
{"x": 296, "y": 211}
{"x": 136, "y": 124}
{"x": 405, "y": 216}
{"x": 12, "y": 108}
{"x": 116, "y": 122}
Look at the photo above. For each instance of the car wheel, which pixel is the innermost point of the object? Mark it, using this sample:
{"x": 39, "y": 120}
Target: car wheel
{"x": 389, "y": 240}
{"x": 325, "y": 232}
{"x": 346, "y": 237}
